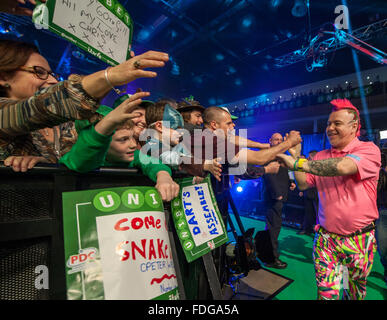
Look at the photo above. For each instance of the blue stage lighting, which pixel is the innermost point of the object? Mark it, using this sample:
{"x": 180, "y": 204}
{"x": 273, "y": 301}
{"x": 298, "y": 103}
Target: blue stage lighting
{"x": 238, "y": 82}
{"x": 246, "y": 22}
{"x": 275, "y": 3}
{"x": 143, "y": 35}
{"x": 212, "y": 101}
{"x": 239, "y": 189}
{"x": 219, "y": 57}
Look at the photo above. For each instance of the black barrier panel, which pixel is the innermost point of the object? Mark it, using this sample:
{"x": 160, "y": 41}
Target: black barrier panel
{"x": 21, "y": 262}
{"x": 31, "y": 226}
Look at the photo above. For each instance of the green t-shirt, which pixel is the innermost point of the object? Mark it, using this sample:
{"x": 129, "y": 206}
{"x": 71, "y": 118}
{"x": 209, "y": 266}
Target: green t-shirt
{"x": 90, "y": 150}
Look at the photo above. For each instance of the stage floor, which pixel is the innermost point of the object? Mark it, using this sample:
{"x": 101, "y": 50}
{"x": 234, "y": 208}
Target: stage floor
{"x": 296, "y": 251}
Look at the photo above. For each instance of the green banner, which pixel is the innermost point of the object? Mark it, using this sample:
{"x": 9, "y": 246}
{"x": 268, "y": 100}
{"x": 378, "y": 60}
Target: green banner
{"x": 197, "y": 219}
{"x": 117, "y": 245}
{"x": 102, "y": 28}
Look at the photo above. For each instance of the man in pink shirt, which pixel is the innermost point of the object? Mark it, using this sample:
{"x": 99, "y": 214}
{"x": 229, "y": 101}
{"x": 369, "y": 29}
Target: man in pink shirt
{"x": 346, "y": 179}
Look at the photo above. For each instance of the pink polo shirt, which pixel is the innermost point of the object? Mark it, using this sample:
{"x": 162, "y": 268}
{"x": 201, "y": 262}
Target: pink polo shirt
{"x": 348, "y": 203}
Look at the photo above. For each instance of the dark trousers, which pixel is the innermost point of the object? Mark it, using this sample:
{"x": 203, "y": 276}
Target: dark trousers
{"x": 274, "y": 223}
{"x": 219, "y": 253}
{"x": 309, "y": 214}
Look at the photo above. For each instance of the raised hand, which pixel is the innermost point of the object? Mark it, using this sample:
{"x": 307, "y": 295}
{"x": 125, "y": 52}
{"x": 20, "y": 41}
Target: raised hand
{"x": 120, "y": 114}
{"x": 295, "y": 151}
{"x": 133, "y": 68}
{"x": 294, "y": 137}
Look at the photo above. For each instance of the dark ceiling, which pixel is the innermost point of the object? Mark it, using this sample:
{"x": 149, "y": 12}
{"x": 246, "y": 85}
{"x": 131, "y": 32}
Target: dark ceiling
{"x": 221, "y": 50}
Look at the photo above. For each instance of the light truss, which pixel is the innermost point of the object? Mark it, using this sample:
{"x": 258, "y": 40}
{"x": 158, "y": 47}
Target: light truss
{"x": 339, "y": 40}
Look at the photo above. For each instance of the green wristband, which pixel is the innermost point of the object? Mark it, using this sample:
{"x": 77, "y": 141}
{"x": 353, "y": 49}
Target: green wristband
{"x": 295, "y": 164}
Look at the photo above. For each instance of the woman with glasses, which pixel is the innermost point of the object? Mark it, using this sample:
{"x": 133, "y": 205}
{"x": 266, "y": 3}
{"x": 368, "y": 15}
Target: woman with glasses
{"x": 37, "y": 111}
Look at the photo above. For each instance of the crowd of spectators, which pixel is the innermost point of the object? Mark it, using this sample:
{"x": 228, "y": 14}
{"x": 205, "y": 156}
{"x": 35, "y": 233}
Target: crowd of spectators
{"x": 319, "y": 96}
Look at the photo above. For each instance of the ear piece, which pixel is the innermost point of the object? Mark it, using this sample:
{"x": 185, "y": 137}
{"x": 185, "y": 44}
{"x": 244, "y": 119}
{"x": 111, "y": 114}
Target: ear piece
{"x": 6, "y": 85}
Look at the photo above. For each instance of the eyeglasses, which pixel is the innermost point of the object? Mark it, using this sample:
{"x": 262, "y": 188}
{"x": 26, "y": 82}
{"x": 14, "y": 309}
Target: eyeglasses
{"x": 40, "y": 72}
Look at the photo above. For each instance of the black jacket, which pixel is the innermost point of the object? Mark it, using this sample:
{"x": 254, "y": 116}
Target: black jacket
{"x": 277, "y": 184}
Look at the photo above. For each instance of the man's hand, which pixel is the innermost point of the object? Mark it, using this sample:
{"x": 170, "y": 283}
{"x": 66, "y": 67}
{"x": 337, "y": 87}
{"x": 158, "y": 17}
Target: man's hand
{"x": 292, "y": 186}
{"x": 23, "y": 163}
{"x": 295, "y": 152}
{"x": 14, "y": 6}
{"x": 272, "y": 167}
{"x": 167, "y": 188}
{"x": 288, "y": 161}
{"x": 197, "y": 180}
{"x": 294, "y": 138}
{"x": 214, "y": 167}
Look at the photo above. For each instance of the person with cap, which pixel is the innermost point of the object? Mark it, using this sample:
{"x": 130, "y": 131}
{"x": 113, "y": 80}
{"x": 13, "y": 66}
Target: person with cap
{"x": 346, "y": 178}
{"x": 110, "y": 142}
{"x": 163, "y": 122}
{"x": 191, "y": 111}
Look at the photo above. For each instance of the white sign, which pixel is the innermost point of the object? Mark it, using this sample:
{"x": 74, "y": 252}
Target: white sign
{"x": 91, "y": 22}
{"x": 135, "y": 253}
{"x": 200, "y": 213}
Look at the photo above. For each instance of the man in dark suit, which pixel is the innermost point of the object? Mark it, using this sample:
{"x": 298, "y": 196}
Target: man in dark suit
{"x": 276, "y": 193}
{"x": 310, "y": 204}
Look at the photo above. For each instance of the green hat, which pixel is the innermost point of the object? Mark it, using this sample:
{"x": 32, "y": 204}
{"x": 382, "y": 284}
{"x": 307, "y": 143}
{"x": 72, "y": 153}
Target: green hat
{"x": 232, "y": 117}
{"x": 104, "y": 110}
{"x": 144, "y": 103}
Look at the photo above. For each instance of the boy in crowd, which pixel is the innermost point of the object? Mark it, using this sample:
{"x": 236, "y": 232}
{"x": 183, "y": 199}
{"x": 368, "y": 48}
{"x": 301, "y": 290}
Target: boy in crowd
{"x": 139, "y": 122}
{"x": 111, "y": 142}
{"x": 163, "y": 122}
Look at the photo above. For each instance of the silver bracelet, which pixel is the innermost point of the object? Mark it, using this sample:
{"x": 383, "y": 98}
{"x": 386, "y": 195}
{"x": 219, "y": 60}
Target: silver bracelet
{"x": 109, "y": 83}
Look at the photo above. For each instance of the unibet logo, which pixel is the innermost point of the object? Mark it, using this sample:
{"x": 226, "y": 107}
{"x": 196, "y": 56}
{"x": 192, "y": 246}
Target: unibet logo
{"x": 132, "y": 198}
{"x": 108, "y": 201}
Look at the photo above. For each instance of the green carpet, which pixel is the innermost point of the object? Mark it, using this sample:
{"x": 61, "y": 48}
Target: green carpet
{"x": 296, "y": 251}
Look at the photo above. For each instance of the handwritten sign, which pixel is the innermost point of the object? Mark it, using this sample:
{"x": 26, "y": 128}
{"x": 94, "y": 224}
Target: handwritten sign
{"x": 103, "y": 28}
{"x": 117, "y": 240}
{"x": 197, "y": 219}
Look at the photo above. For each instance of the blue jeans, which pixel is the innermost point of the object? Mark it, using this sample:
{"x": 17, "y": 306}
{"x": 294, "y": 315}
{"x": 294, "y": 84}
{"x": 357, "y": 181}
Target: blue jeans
{"x": 381, "y": 236}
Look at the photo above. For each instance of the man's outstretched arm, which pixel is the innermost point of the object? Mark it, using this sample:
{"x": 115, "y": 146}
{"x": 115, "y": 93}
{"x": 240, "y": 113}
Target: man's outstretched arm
{"x": 331, "y": 167}
{"x": 262, "y": 157}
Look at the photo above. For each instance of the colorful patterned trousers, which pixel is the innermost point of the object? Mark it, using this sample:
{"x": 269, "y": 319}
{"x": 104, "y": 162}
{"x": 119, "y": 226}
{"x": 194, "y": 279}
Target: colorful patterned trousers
{"x": 338, "y": 258}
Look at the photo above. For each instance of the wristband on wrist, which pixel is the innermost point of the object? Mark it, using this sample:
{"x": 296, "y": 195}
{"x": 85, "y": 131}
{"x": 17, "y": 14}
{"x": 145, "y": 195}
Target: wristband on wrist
{"x": 295, "y": 164}
{"x": 110, "y": 84}
{"x": 300, "y": 164}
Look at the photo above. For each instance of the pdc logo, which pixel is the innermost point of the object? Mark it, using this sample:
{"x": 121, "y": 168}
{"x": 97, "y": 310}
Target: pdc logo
{"x": 84, "y": 255}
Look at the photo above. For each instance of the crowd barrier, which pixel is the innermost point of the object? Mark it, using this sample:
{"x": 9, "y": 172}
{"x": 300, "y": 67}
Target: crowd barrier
{"x": 31, "y": 226}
